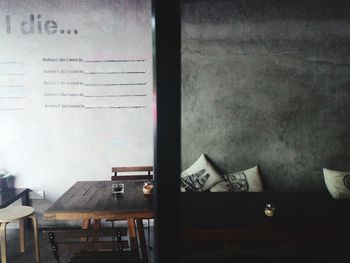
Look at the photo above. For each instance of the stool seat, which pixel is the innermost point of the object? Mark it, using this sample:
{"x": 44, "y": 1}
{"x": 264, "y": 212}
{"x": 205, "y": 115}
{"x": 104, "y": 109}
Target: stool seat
{"x": 18, "y": 213}
{"x": 13, "y": 213}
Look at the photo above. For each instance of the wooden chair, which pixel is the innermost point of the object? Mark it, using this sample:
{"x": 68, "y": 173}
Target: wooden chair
{"x": 18, "y": 213}
{"x": 133, "y": 173}
{"x": 91, "y": 245}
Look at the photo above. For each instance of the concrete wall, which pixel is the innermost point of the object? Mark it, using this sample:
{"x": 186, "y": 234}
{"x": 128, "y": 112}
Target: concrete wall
{"x": 267, "y": 83}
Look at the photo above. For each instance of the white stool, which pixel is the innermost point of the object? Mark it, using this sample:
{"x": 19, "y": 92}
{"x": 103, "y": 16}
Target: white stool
{"x": 17, "y": 213}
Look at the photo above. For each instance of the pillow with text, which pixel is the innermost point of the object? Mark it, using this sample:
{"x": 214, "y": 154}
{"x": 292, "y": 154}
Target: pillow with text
{"x": 200, "y": 176}
{"x": 337, "y": 183}
{"x": 248, "y": 180}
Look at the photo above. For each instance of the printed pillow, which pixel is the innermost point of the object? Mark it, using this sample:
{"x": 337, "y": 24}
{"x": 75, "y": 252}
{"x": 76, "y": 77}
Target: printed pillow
{"x": 242, "y": 181}
{"x": 200, "y": 176}
{"x": 338, "y": 183}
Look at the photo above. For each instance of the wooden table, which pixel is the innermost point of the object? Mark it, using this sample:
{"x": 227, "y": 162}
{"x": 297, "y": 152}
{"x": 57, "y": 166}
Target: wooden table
{"x": 88, "y": 200}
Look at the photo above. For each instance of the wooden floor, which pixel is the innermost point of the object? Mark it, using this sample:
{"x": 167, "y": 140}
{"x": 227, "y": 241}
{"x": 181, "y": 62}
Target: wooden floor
{"x": 14, "y": 256}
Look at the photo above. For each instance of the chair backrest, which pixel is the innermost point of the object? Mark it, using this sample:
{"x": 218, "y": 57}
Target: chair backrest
{"x": 132, "y": 173}
{"x": 89, "y": 240}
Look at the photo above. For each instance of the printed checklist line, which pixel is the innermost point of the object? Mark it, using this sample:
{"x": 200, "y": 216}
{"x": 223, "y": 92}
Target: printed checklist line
{"x": 115, "y": 84}
{"x": 10, "y": 62}
{"x": 114, "y": 96}
{"x": 12, "y": 97}
{"x": 11, "y": 109}
{"x": 12, "y": 86}
{"x": 114, "y": 72}
{"x": 11, "y": 74}
{"x": 115, "y": 107}
{"x": 115, "y": 61}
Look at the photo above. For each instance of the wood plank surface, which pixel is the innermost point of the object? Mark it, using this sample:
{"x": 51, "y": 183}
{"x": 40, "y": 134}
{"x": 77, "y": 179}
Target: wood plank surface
{"x": 94, "y": 199}
{"x": 141, "y": 235}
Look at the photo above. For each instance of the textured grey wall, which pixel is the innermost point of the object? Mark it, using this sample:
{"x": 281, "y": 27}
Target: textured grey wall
{"x": 267, "y": 83}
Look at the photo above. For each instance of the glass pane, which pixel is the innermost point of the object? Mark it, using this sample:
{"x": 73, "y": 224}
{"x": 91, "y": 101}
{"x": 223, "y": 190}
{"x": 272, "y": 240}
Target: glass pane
{"x": 76, "y": 83}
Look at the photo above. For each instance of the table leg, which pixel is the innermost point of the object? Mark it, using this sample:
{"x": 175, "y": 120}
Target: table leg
{"x": 132, "y": 233}
{"x": 141, "y": 234}
{"x": 85, "y": 225}
{"x": 96, "y": 225}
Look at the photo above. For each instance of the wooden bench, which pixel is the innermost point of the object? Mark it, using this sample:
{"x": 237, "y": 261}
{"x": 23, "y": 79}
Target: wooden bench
{"x": 304, "y": 220}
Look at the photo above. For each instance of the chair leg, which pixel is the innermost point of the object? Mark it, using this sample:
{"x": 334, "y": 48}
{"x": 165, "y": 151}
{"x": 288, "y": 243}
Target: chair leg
{"x": 3, "y": 242}
{"x": 149, "y": 234}
{"x": 21, "y": 236}
{"x": 132, "y": 234}
{"x": 142, "y": 240}
{"x": 36, "y": 240}
{"x": 113, "y": 237}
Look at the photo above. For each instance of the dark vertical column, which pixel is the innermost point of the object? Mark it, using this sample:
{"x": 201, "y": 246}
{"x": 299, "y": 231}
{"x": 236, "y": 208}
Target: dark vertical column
{"x": 25, "y": 198}
{"x": 25, "y": 201}
{"x": 167, "y": 58}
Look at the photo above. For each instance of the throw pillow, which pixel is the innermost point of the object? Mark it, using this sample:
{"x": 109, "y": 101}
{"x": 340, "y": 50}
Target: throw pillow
{"x": 223, "y": 186}
{"x": 337, "y": 183}
{"x": 200, "y": 176}
{"x": 248, "y": 180}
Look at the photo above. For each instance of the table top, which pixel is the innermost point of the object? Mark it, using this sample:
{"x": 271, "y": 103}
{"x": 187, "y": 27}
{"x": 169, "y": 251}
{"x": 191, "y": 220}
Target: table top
{"x": 94, "y": 199}
{"x": 8, "y": 196}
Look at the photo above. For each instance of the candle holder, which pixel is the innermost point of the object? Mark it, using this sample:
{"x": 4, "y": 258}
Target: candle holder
{"x": 269, "y": 209}
{"x": 147, "y": 188}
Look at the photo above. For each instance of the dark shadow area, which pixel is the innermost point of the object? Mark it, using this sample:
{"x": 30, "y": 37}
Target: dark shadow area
{"x": 267, "y": 252}
{"x": 46, "y": 254}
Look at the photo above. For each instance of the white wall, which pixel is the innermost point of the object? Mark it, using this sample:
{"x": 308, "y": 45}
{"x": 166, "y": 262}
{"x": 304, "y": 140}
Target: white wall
{"x": 48, "y": 144}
